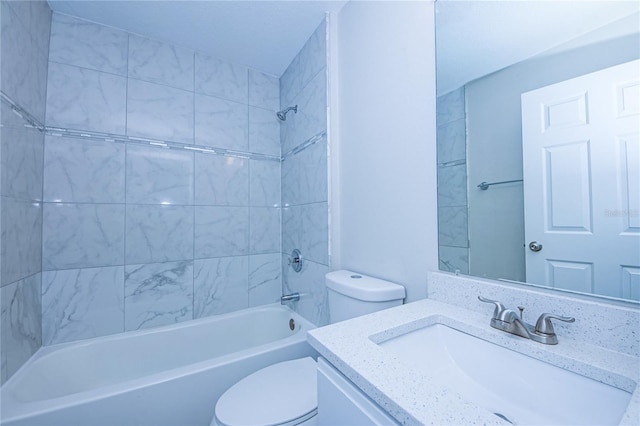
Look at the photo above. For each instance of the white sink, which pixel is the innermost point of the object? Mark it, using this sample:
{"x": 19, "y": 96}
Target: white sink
{"x": 515, "y": 387}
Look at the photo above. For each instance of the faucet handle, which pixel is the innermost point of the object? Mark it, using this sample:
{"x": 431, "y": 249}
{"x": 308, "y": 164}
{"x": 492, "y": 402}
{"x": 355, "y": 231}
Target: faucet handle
{"x": 499, "y": 307}
{"x": 544, "y": 325}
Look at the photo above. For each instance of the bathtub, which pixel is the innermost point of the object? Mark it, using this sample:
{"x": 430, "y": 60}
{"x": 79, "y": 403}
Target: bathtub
{"x": 170, "y": 375}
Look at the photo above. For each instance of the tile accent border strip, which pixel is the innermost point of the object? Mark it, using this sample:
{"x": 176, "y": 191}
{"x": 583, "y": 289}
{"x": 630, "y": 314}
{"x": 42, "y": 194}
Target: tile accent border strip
{"x": 32, "y": 122}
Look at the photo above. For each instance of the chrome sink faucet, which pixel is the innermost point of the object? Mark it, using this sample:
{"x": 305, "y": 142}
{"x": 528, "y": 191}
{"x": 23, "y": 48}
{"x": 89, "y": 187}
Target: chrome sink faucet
{"x": 510, "y": 321}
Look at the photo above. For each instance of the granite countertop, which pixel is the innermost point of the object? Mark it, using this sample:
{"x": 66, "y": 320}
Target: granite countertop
{"x": 401, "y": 389}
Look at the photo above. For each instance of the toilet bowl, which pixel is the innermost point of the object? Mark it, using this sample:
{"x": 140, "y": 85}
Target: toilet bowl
{"x": 286, "y": 393}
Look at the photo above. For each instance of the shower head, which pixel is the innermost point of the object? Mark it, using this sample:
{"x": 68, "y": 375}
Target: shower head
{"x": 282, "y": 115}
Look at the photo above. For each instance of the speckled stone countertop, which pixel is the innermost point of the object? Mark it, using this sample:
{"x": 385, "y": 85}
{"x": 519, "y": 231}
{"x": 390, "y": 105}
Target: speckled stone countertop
{"x": 402, "y": 391}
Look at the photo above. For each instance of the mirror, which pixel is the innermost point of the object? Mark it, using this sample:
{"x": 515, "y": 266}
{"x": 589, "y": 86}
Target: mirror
{"x": 490, "y": 53}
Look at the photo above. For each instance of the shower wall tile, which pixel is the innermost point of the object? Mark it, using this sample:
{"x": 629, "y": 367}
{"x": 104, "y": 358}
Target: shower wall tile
{"x": 158, "y": 294}
{"x": 160, "y": 112}
{"x": 304, "y": 178}
{"x": 453, "y": 259}
{"x": 158, "y": 233}
{"x": 159, "y": 176}
{"x": 38, "y": 85}
{"x": 82, "y": 171}
{"x": 21, "y": 322}
{"x": 452, "y": 187}
{"x": 82, "y": 303}
{"x": 304, "y": 67}
{"x": 24, "y": 50}
{"x": 83, "y": 99}
{"x": 85, "y": 44}
{"x": 265, "y": 279}
{"x": 8, "y": 118}
{"x": 221, "y": 79}
{"x": 24, "y": 53}
{"x": 306, "y": 228}
{"x": 264, "y": 225}
{"x": 220, "y": 285}
{"x": 36, "y": 17}
{"x": 310, "y": 283}
{"x": 311, "y": 118}
{"x": 41, "y": 16}
{"x": 264, "y": 131}
{"x": 21, "y": 250}
{"x": 221, "y": 180}
{"x": 452, "y": 141}
{"x": 221, "y": 231}
{"x": 21, "y": 162}
{"x": 221, "y": 123}
{"x": 82, "y": 235}
{"x": 15, "y": 41}
{"x": 452, "y": 226}
{"x": 264, "y": 183}
{"x": 304, "y": 175}
{"x": 450, "y": 107}
{"x": 172, "y": 210}
{"x": 452, "y": 183}
{"x": 161, "y": 63}
{"x": 264, "y": 91}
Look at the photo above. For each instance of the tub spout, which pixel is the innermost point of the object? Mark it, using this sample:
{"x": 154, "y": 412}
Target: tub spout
{"x": 293, "y": 297}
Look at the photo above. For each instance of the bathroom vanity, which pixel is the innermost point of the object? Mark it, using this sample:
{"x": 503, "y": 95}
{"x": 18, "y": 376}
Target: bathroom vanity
{"x": 430, "y": 362}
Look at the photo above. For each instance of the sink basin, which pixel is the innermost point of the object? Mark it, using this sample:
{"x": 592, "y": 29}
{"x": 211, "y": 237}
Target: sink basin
{"x": 513, "y": 386}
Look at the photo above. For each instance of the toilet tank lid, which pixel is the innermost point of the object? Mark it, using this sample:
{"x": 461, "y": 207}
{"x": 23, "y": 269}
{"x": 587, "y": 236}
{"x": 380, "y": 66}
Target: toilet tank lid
{"x": 363, "y": 287}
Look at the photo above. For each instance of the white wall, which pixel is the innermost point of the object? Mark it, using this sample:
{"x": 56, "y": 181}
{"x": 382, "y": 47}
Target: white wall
{"x": 386, "y": 141}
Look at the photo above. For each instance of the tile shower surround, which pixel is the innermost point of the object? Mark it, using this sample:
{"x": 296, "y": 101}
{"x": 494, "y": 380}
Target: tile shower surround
{"x": 453, "y": 239}
{"x": 24, "y": 51}
{"x": 138, "y": 236}
{"x": 107, "y": 269}
{"x": 305, "y": 217}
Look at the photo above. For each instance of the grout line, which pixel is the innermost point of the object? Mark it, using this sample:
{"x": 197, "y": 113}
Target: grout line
{"x": 126, "y": 153}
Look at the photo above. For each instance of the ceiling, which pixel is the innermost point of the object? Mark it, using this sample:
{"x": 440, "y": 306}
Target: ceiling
{"x": 476, "y": 38}
{"x": 261, "y": 34}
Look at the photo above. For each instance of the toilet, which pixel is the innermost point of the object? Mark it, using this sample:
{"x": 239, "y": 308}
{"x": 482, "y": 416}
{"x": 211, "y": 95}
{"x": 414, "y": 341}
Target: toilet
{"x": 286, "y": 393}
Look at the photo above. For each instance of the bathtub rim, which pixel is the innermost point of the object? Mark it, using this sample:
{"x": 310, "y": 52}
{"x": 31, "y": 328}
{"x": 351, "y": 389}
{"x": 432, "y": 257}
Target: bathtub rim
{"x": 19, "y": 410}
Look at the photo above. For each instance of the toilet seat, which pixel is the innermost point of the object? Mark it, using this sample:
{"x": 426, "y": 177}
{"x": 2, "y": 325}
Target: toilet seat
{"x": 280, "y": 394}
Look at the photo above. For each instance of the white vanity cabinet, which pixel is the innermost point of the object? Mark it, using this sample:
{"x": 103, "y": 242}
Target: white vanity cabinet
{"x": 340, "y": 402}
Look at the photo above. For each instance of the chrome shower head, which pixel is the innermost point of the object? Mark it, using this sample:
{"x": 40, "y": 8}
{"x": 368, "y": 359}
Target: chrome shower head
{"x": 282, "y": 115}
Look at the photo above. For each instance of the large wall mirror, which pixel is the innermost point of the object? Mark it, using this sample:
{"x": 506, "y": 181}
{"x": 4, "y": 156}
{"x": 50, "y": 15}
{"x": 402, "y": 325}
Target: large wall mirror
{"x": 538, "y": 120}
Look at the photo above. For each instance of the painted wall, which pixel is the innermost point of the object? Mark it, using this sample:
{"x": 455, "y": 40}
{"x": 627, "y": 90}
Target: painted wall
{"x": 135, "y": 235}
{"x": 24, "y": 51}
{"x": 387, "y": 151}
{"x": 494, "y": 132}
{"x": 305, "y": 221}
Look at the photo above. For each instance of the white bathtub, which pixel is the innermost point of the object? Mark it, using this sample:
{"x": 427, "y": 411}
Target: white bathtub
{"x": 163, "y": 376}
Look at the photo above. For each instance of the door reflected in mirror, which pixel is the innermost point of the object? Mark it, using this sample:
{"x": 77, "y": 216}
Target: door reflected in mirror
{"x": 538, "y": 118}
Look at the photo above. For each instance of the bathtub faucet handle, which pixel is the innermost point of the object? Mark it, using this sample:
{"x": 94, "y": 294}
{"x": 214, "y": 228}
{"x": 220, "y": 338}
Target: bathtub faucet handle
{"x": 293, "y": 297}
{"x": 295, "y": 260}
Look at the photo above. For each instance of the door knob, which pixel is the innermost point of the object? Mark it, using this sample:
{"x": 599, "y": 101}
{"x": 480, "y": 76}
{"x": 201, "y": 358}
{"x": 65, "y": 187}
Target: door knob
{"x": 535, "y": 246}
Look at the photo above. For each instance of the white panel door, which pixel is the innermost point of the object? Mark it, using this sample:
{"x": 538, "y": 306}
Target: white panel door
{"x": 581, "y": 149}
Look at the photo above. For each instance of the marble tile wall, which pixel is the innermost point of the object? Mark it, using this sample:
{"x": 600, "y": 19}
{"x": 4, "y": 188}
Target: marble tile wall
{"x": 304, "y": 177}
{"x": 453, "y": 240}
{"x": 24, "y": 51}
{"x": 137, "y": 236}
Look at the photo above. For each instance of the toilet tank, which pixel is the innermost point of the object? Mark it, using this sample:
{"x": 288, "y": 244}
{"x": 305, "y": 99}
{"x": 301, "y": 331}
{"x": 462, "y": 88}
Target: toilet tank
{"x": 352, "y": 294}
